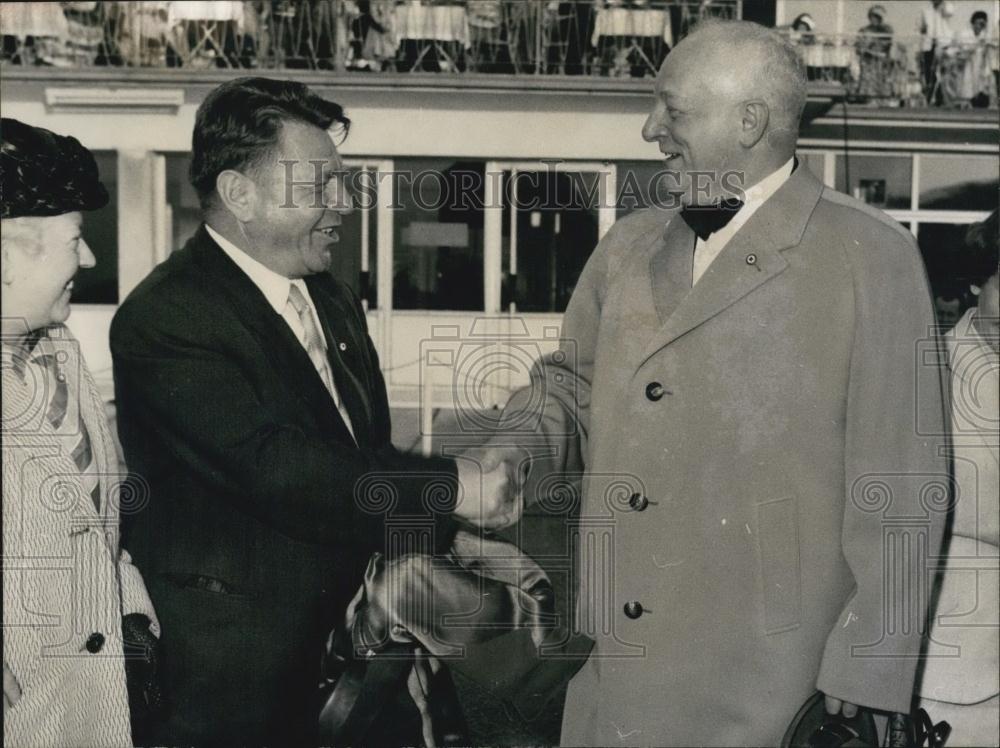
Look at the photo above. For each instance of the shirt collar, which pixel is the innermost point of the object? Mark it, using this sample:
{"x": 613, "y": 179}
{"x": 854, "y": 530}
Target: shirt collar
{"x": 965, "y": 329}
{"x": 16, "y": 353}
{"x": 759, "y": 193}
{"x": 273, "y": 285}
{"x": 753, "y": 197}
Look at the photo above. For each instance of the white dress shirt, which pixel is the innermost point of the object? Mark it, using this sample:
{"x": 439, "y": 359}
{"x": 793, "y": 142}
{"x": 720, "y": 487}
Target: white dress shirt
{"x": 706, "y": 250}
{"x": 275, "y": 288}
{"x": 935, "y": 28}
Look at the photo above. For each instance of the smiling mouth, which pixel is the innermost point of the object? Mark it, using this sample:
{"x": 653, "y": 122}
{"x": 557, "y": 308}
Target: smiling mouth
{"x": 670, "y": 155}
{"x": 330, "y": 232}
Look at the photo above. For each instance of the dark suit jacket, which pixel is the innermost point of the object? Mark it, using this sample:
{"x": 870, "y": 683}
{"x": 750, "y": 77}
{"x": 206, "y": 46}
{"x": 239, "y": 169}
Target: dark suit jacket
{"x": 256, "y": 511}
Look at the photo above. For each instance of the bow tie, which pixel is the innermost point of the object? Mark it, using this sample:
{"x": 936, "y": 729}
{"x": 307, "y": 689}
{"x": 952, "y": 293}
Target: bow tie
{"x": 707, "y": 219}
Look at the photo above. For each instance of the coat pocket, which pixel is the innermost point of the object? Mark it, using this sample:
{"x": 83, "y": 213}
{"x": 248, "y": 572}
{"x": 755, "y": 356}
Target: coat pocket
{"x": 780, "y": 575}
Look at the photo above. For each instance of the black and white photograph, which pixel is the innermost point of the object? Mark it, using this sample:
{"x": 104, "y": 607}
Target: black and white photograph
{"x": 538, "y": 373}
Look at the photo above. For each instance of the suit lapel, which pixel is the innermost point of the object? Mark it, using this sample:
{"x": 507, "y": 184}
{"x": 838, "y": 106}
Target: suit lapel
{"x": 281, "y": 349}
{"x": 344, "y": 347}
{"x": 84, "y": 410}
{"x": 671, "y": 266}
{"x": 750, "y": 259}
{"x": 30, "y": 429}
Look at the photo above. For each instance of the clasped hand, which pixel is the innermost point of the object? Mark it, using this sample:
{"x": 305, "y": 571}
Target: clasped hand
{"x": 491, "y": 483}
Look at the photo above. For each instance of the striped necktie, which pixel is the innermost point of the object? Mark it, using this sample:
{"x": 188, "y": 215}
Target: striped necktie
{"x": 316, "y": 348}
{"x": 74, "y": 435}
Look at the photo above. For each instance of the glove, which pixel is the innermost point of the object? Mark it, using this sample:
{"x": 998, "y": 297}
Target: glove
{"x": 142, "y": 658}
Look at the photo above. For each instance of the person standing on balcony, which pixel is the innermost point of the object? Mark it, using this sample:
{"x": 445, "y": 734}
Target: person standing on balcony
{"x": 935, "y": 34}
{"x": 802, "y": 35}
{"x": 744, "y": 362}
{"x": 252, "y": 404}
{"x": 73, "y": 602}
{"x": 976, "y": 77}
{"x": 876, "y": 64}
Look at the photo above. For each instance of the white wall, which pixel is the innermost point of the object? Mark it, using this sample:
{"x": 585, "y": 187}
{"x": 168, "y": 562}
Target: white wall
{"x": 439, "y": 123}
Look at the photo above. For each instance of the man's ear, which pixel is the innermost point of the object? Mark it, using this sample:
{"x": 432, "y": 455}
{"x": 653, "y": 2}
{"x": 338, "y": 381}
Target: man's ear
{"x": 754, "y": 121}
{"x": 238, "y": 193}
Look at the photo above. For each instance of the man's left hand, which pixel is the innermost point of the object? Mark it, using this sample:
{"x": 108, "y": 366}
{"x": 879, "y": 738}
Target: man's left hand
{"x": 493, "y": 498}
{"x": 836, "y": 706}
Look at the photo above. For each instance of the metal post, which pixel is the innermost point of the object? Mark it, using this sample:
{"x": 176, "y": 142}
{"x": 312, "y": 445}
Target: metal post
{"x": 427, "y": 406}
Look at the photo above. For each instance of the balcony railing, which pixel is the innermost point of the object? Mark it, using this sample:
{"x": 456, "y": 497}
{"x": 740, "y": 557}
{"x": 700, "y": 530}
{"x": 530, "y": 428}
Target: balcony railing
{"x": 612, "y": 38}
{"x": 886, "y": 70}
{"x": 518, "y": 37}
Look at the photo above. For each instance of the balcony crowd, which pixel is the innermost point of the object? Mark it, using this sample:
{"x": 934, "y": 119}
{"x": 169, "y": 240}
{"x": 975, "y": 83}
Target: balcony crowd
{"x": 951, "y": 62}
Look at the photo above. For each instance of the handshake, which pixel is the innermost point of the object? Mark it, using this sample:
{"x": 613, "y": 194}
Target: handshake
{"x": 491, "y": 486}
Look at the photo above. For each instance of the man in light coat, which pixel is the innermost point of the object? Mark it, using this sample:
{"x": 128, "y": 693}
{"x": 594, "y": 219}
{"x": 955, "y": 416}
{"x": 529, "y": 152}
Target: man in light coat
{"x": 758, "y": 376}
{"x": 66, "y": 581}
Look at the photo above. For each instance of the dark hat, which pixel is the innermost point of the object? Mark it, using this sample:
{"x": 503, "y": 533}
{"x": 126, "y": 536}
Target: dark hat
{"x": 44, "y": 174}
{"x": 877, "y": 10}
{"x": 806, "y": 19}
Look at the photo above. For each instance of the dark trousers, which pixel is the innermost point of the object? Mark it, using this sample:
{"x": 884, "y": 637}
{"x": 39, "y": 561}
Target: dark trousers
{"x": 930, "y": 77}
{"x": 236, "y": 671}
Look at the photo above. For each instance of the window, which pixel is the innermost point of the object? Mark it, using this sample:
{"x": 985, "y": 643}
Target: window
{"x": 99, "y": 284}
{"x": 556, "y": 231}
{"x": 361, "y": 222}
{"x": 942, "y": 246}
{"x": 884, "y": 181}
{"x": 184, "y": 211}
{"x": 438, "y": 234}
{"x": 958, "y": 182}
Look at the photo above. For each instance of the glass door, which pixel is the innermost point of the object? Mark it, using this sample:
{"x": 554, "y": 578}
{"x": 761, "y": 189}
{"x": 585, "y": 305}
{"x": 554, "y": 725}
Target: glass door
{"x": 552, "y": 214}
{"x": 485, "y": 257}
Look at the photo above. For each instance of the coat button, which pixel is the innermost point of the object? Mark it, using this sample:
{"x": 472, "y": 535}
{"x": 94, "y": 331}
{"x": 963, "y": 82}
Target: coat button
{"x": 654, "y": 391}
{"x": 633, "y": 609}
{"x": 638, "y": 502}
{"x": 95, "y": 642}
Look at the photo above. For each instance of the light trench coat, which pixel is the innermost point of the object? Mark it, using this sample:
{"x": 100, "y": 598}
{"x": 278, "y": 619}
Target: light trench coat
{"x": 65, "y": 578}
{"x": 960, "y": 682}
{"x": 763, "y": 469}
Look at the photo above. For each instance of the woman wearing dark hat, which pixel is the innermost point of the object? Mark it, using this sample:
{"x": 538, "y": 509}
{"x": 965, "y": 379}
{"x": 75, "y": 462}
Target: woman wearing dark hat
{"x": 71, "y": 597}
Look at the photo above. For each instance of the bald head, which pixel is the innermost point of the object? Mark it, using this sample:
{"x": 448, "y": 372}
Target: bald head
{"x": 740, "y": 60}
{"x": 726, "y": 105}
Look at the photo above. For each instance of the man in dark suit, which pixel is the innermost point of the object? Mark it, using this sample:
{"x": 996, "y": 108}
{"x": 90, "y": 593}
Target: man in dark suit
{"x": 253, "y": 412}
